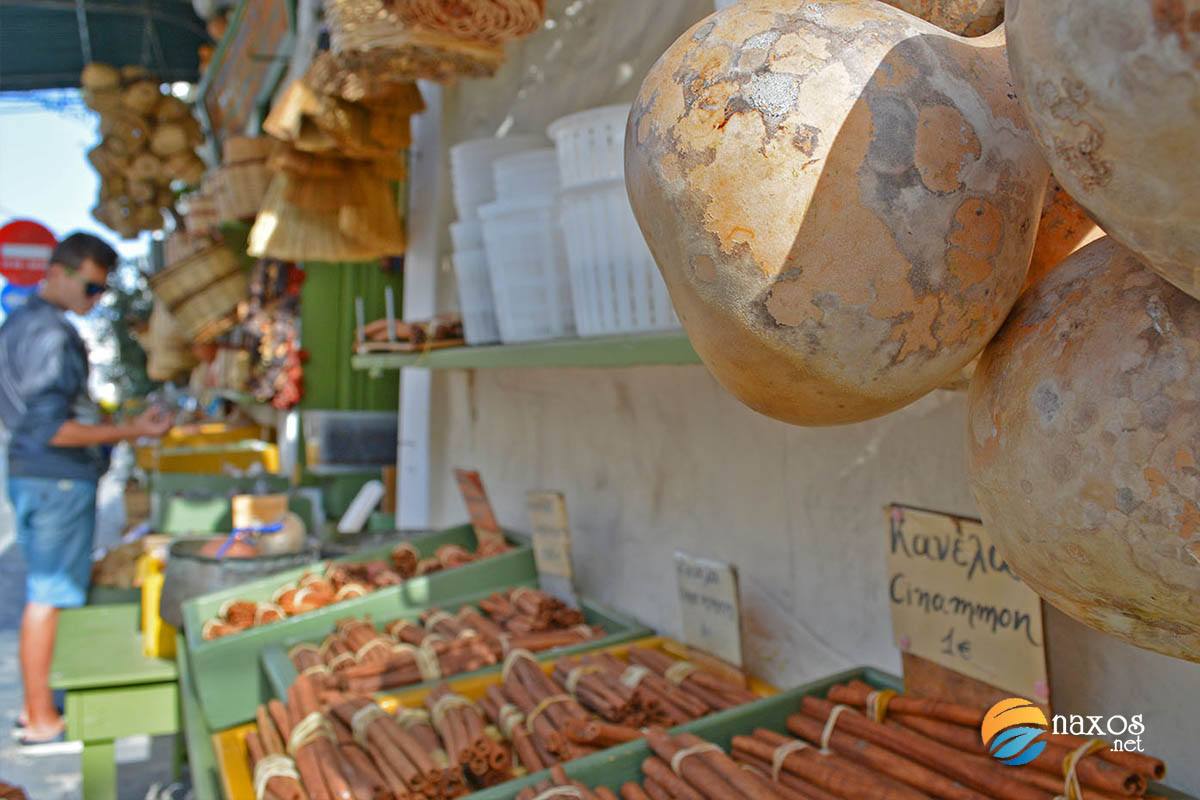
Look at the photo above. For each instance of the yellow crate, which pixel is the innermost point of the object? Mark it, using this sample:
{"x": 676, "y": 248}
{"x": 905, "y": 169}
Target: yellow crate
{"x": 210, "y": 459}
{"x": 202, "y": 435}
{"x": 158, "y": 637}
{"x": 229, "y": 745}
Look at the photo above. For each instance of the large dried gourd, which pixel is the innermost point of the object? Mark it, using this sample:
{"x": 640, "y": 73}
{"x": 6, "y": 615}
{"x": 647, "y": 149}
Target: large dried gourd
{"x": 1111, "y": 88}
{"x": 1084, "y": 441}
{"x": 964, "y": 17}
{"x": 1064, "y": 228}
{"x": 842, "y": 199}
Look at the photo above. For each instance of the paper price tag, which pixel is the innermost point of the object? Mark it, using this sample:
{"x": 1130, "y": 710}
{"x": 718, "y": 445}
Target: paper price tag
{"x": 955, "y": 602}
{"x": 552, "y": 543}
{"x": 711, "y": 605}
{"x": 479, "y": 508}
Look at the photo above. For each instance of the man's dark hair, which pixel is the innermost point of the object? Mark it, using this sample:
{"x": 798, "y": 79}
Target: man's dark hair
{"x": 79, "y": 247}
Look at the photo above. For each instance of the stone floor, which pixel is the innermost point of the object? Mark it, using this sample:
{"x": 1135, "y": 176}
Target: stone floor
{"x": 144, "y": 769}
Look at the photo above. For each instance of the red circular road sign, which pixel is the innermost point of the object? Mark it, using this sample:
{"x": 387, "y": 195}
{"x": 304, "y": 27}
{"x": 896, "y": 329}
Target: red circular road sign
{"x": 25, "y": 248}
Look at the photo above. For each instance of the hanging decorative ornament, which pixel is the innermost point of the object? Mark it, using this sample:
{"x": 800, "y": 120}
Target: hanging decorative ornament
{"x": 842, "y": 199}
{"x": 1111, "y": 89}
{"x": 1084, "y": 439}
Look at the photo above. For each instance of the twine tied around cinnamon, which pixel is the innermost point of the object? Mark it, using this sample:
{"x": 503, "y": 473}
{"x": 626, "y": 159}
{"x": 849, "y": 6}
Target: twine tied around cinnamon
{"x": 687, "y": 752}
{"x": 315, "y": 669}
{"x": 560, "y": 791}
{"x": 262, "y": 608}
{"x": 278, "y": 593}
{"x": 342, "y": 593}
{"x": 577, "y": 674}
{"x": 305, "y": 647}
{"x": 341, "y": 658}
{"x": 301, "y": 593}
{"x": 437, "y": 617}
{"x": 877, "y": 703}
{"x": 830, "y": 724}
{"x": 368, "y": 647}
{"x": 512, "y": 658}
{"x": 308, "y": 730}
{"x": 1071, "y": 787}
{"x": 518, "y": 592}
{"x": 510, "y": 717}
{"x": 427, "y": 662}
{"x": 224, "y": 608}
{"x": 408, "y": 717}
{"x": 444, "y": 704}
{"x": 208, "y": 627}
{"x": 583, "y": 630}
{"x": 541, "y": 707}
{"x": 361, "y": 721}
{"x": 276, "y": 765}
{"x": 323, "y": 650}
{"x": 781, "y": 753}
{"x": 633, "y": 676}
{"x": 680, "y": 671}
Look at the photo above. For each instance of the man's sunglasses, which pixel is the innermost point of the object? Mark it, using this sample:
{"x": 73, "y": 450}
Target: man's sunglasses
{"x": 92, "y": 289}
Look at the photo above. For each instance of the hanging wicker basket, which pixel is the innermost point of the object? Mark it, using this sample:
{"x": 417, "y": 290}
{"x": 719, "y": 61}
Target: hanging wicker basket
{"x": 202, "y": 291}
{"x": 240, "y": 189}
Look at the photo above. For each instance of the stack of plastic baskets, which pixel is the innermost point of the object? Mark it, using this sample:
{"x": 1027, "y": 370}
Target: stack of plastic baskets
{"x": 615, "y": 284}
{"x": 474, "y": 185}
{"x": 524, "y": 245}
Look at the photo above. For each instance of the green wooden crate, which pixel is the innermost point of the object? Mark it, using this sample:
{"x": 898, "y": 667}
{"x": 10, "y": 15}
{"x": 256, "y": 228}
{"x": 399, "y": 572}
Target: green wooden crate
{"x": 202, "y": 763}
{"x": 226, "y": 671}
{"x": 619, "y": 629}
{"x": 618, "y": 765}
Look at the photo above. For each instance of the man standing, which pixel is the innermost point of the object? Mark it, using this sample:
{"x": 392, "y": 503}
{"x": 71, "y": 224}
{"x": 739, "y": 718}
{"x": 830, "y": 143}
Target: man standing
{"x": 56, "y": 455}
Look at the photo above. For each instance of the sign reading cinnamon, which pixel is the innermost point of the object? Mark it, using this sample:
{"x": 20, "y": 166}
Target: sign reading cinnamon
{"x": 955, "y": 601}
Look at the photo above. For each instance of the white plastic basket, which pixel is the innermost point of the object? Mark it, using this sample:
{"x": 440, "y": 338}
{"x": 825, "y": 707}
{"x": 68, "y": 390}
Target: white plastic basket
{"x": 615, "y": 285}
{"x": 467, "y": 234}
{"x": 590, "y": 145}
{"x": 533, "y": 172}
{"x": 475, "y": 297}
{"x": 528, "y": 269}
{"x": 471, "y": 169}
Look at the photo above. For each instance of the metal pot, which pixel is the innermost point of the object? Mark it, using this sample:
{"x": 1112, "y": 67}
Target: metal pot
{"x": 190, "y": 574}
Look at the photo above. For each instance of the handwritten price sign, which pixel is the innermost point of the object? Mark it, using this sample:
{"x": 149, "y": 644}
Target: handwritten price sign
{"x": 711, "y": 606}
{"x": 956, "y": 602}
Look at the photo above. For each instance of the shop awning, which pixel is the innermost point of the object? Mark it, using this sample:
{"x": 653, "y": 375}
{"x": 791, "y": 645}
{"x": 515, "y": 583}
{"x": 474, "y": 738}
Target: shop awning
{"x": 45, "y": 43}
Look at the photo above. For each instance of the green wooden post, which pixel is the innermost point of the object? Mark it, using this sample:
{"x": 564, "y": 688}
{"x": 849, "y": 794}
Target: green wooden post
{"x": 99, "y": 767}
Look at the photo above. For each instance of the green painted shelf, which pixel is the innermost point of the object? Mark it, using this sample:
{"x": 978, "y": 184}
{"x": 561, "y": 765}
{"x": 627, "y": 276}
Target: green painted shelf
{"x": 653, "y": 349}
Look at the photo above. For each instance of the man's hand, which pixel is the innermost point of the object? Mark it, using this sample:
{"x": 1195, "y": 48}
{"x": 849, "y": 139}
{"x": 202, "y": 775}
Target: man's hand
{"x": 153, "y": 422}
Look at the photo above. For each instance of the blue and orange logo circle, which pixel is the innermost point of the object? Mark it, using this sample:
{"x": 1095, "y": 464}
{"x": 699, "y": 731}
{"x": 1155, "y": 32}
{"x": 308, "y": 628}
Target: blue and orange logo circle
{"x": 1013, "y": 731}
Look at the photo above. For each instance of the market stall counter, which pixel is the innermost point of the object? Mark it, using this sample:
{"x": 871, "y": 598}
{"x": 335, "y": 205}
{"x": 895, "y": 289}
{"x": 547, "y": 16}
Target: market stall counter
{"x": 112, "y": 689}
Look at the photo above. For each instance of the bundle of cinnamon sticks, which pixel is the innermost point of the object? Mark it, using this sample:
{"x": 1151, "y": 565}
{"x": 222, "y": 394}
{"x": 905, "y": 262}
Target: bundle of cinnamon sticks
{"x": 359, "y": 658}
{"x": 861, "y": 743}
{"x": 342, "y": 581}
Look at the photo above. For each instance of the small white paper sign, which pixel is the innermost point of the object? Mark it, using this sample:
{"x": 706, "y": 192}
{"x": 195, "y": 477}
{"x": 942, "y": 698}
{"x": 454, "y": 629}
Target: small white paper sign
{"x": 711, "y": 606}
{"x": 552, "y": 543}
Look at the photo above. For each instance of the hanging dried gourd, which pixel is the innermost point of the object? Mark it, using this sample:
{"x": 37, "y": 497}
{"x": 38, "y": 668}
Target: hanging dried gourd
{"x": 964, "y": 17}
{"x": 1112, "y": 91}
{"x": 842, "y": 199}
{"x": 1084, "y": 440}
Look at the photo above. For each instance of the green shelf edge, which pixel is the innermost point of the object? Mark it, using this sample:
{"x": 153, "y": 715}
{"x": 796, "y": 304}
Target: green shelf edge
{"x": 202, "y": 762}
{"x": 651, "y": 349}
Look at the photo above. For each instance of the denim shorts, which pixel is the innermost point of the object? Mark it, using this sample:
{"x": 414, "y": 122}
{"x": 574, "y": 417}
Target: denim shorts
{"x": 56, "y": 520}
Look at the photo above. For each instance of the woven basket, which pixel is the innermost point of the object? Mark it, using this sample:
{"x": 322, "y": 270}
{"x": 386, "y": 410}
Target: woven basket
{"x": 240, "y": 189}
{"x": 369, "y": 35}
{"x": 495, "y": 21}
{"x": 202, "y": 292}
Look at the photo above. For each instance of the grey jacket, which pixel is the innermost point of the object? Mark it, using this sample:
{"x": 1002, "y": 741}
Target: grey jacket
{"x": 44, "y": 383}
